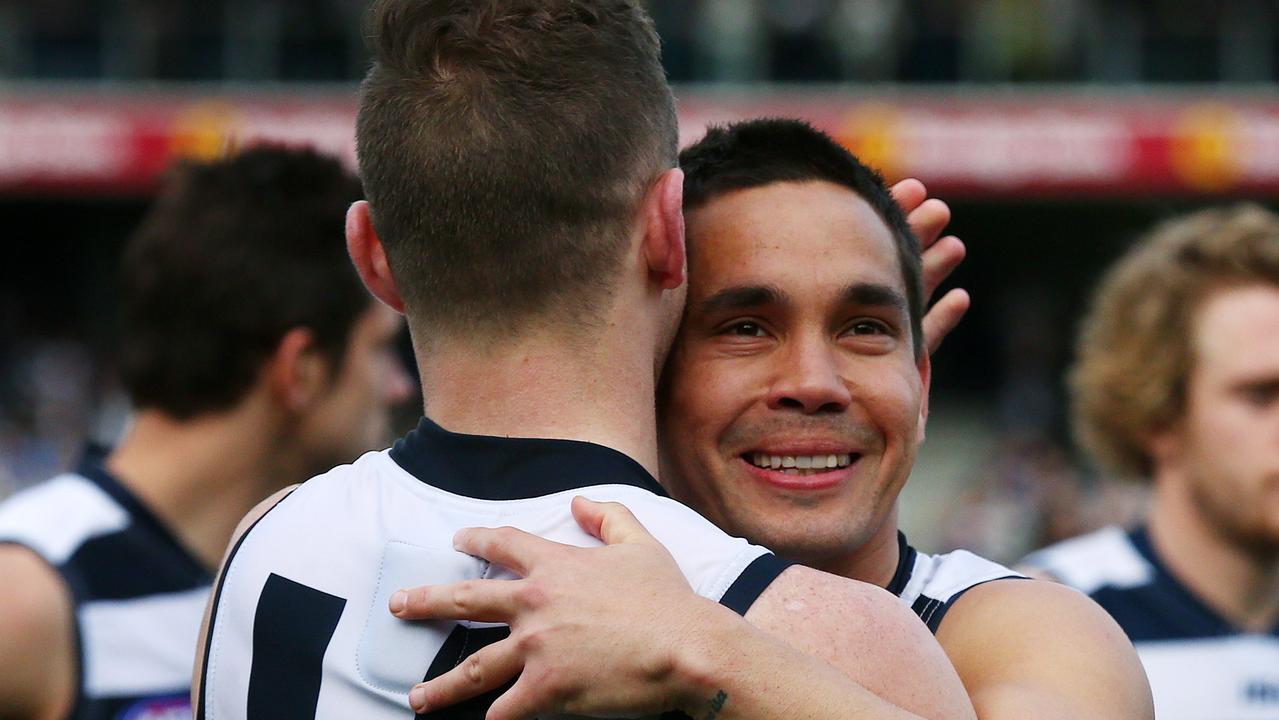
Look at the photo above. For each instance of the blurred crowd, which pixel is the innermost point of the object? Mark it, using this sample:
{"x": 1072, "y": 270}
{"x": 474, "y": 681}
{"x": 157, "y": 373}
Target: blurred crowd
{"x": 56, "y": 395}
{"x": 705, "y": 40}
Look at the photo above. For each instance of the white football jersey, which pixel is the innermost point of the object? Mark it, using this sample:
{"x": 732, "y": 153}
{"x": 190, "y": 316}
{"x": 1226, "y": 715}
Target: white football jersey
{"x": 930, "y": 584}
{"x": 137, "y": 592}
{"x": 300, "y": 626}
{"x": 1201, "y": 667}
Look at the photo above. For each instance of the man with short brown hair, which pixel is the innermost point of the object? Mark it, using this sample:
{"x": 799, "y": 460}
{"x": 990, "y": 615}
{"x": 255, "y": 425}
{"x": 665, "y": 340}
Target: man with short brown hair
{"x": 253, "y": 358}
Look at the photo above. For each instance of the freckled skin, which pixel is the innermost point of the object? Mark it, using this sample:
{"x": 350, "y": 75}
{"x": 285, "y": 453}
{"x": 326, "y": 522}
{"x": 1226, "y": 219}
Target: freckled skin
{"x": 796, "y": 606}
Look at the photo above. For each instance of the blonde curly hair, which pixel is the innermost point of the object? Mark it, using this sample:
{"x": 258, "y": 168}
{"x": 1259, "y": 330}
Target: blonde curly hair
{"x": 1135, "y": 347}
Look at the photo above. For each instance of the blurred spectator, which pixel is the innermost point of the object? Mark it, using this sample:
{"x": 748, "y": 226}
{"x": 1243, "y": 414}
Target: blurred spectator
{"x": 1028, "y": 494}
{"x": 931, "y": 47}
{"x": 254, "y": 358}
{"x": 867, "y": 35}
{"x": 732, "y": 34}
{"x": 797, "y": 50}
{"x": 705, "y": 40}
{"x": 1181, "y": 40}
{"x": 1010, "y": 40}
{"x": 1177, "y": 380}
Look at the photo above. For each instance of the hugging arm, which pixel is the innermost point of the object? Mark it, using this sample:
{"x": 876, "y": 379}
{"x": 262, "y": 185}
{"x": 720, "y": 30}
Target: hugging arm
{"x": 635, "y": 639}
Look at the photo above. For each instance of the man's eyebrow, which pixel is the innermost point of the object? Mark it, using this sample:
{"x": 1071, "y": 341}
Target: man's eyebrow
{"x": 875, "y": 294}
{"x": 741, "y": 297}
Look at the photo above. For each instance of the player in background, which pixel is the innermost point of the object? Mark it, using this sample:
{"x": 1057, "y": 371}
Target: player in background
{"x": 1177, "y": 380}
{"x": 791, "y": 410}
{"x": 253, "y": 358}
{"x": 525, "y": 212}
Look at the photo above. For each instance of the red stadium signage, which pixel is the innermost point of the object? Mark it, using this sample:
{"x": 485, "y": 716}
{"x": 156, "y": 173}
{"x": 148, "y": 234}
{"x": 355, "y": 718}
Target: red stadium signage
{"x": 970, "y": 143}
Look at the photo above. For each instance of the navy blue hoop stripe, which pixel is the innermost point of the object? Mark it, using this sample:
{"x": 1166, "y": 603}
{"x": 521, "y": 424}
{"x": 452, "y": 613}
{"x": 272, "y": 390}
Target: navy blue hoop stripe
{"x": 291, "y": 632}
{"x": 748, "y": 586}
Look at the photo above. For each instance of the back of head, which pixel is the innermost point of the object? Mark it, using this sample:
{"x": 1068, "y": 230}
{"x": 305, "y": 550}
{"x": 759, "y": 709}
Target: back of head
{"x": 1136, "y": 344}
{"x": 761, "y": 152}
{"x": 234, "y": 254}
{"x": 506, "y": 146}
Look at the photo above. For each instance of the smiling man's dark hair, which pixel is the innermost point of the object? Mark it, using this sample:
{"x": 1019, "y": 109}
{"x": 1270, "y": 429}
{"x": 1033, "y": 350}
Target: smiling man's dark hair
{"x": 755, "y": 153}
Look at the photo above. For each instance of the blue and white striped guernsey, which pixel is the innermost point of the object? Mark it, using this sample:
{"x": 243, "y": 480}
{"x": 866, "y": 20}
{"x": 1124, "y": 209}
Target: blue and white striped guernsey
{"x": 1200, "y": 666}
{"x": 930, "y": 584}
{"x": 300, "y": 628}
{"x": 138, "y": 594}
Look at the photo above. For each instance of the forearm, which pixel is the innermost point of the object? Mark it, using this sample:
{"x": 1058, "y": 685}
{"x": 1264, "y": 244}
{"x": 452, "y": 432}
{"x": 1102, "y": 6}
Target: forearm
{"x": 731, "y": 670}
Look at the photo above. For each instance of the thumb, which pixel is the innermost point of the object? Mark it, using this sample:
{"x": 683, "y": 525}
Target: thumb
{"x": 611, "y": 522}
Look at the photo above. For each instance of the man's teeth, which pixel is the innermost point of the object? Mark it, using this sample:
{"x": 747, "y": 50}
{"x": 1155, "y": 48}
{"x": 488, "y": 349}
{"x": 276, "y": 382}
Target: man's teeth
{"x": 800, "y": 462}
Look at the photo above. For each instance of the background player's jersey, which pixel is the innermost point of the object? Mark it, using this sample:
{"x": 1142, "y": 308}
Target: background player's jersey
{"x": 301, "y": 627}
{"x": 1200, "y": 666}
{"x": 930, "y": 584}
{"x": 138, "y": 594}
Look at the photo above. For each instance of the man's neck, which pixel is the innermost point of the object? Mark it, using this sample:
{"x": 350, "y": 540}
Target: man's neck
{"x": 874, "y": 561}
{"x": 1236, "y": 583}
{"x": 546, "y": 388}
{"x": 200, "y": 477}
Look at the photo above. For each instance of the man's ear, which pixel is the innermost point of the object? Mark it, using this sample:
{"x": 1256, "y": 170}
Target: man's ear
{"x": 925, "y": 367}
{"x": 369, "y": 257}
{"x": 663, "y": 216}
{"x": 1164, "y": 446}
{"x": 297, "y": 373}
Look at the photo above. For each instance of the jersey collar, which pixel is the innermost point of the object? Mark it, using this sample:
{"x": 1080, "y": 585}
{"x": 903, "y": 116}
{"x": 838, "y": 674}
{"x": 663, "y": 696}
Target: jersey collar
{"x": 502, "y": 468}
{"x": 93, "y": 467}
{"x": 905, "y": 565}
{"x": 1193, "y": 614}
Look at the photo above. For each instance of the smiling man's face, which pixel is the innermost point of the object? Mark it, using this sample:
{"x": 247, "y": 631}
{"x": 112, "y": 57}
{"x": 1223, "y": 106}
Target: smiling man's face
{"x": 792, "y": 403}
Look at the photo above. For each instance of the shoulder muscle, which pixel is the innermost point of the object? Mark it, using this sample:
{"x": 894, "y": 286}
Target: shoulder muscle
{"x": 866, "y": 633}
{"x": 37, "y": 657}
{"x": 1029, "y": 648}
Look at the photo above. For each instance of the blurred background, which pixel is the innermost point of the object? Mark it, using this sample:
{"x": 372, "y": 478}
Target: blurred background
{"x": 1059, "y": 130}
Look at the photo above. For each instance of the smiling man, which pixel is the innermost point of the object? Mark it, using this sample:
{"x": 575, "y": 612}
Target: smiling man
{"x": 797, "y": 388}
{"x": 795, "y": 400}
{"x": 790, "y": 413}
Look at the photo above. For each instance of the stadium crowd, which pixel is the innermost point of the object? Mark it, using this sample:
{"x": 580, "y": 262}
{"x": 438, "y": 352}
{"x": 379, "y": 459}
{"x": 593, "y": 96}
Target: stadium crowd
{"x": 930, "y": 41}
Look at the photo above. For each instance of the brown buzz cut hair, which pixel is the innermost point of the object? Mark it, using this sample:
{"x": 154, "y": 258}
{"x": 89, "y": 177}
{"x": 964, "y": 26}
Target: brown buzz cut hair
{"x": 505, "y": 148}
{"x": 1136, "y": 345}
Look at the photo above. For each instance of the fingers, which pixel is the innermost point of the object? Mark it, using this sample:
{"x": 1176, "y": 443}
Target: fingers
{"x": 478, "y": 600}
{"x": 909, "y": 193}
{"x": 940, "y": 261}
{"x": 611, "y": 522}
{"x": 523, "y": 701}
{"x": 927, "y": 216}
{"x": 943, "y": 317}
{"x": 928, "y": 220}
{"x": 486, "y": 669}
{"x": 513, "y": 549}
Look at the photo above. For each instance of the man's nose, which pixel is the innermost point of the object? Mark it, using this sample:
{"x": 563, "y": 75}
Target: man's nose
{"x": 809, "y": 381}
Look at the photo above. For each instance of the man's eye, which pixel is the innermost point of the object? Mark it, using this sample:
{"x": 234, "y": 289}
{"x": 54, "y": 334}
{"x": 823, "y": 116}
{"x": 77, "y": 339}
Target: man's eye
{"x": 746, "y": 329}
{"x": 1263, "y": 395}
{"x": 868, "y": 327}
